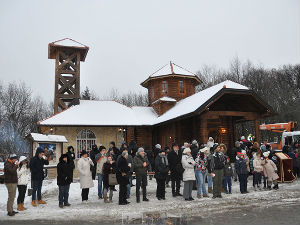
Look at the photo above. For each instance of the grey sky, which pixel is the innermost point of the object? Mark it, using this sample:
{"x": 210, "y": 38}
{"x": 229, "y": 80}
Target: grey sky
{"x": 129, "y": 39}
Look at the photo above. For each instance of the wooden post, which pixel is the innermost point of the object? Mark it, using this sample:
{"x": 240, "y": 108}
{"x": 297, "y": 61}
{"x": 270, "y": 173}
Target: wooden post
{"x": 256, "y": 127}
{"x": 203, "y": 130}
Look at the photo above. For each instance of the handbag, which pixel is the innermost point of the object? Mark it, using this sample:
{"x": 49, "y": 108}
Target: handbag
{"x": 112, "y": 179}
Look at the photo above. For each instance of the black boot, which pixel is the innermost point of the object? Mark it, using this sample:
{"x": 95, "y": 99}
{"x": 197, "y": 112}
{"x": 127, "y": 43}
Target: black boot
{"x": 276, "y": 187}
{"x": 138, "y": 199}
{"x": 145, "y": 199}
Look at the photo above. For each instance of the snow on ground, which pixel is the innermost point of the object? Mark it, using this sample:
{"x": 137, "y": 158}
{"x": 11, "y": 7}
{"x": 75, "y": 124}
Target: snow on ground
{"x": 174, "y": 207}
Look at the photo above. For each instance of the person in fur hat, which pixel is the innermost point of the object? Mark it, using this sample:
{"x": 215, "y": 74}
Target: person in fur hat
{"x": 270, "y": 171}
{"x": 64, "y": 179}
{"x": 188, "y": 164}
{"x": 161, "y": 173}
{"x": 23, "y": 178}
{"x": 141, "y": 165}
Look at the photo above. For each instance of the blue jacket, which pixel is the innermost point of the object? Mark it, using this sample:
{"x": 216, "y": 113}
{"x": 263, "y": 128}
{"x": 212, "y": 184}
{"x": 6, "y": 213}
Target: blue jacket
{"x": 241, "y": 166}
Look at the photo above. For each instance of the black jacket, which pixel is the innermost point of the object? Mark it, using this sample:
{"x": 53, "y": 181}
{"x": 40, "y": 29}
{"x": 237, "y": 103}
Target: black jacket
{"x": 108, "y": 169}
{"x": 37, "y": 167}
{"x": 71, "y": 158}
{"x": 194, "y": 151}
{"x": 175, "y": 164}
{"x": 161, "y": 167}
{"x": 241, "y": 166}
{"x": 215, "y": 161}
{"x": 123, "y": 168}
{"x": 228, "y": 171}
{"x": 232, "y": 153}
{"x": 64, "y": 172}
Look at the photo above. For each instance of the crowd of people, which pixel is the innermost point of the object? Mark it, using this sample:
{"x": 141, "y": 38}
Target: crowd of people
{"x": 207, "y": 168}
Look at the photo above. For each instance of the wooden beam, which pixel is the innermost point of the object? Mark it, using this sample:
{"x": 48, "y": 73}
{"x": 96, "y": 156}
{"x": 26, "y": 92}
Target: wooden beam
{"x": 216, "y": 114}
{"x": 256, "y": 127}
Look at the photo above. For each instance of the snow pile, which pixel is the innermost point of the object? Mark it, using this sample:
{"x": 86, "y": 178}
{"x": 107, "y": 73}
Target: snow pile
{"x": 96, "y": 210}
{"x": 48, "y": 138}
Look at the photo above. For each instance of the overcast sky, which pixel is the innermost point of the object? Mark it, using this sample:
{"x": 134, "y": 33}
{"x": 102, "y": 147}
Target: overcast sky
{"x": 130, "y": 39}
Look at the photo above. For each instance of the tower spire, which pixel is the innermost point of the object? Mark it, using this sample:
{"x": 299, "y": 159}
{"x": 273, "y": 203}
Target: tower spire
{"x": 172, "y": 69}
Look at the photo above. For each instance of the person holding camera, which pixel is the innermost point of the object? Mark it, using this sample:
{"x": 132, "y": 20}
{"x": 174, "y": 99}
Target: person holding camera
{"x": 37, "y": 175}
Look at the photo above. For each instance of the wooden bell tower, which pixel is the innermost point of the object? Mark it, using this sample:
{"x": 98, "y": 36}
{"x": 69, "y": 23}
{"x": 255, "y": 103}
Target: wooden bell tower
{"x": 67, "y": 54}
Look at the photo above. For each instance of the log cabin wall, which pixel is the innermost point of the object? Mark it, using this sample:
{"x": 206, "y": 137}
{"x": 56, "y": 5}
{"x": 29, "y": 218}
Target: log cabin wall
{"x": 173, "y": 89}
{"x": 142, "y": 135}
{"x": 161, "y": 107}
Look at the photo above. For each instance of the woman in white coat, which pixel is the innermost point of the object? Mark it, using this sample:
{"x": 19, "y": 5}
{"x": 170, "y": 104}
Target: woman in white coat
{"x": 23, "y": 173}
{"x": 85, "y": 174}
{"x": 188, "y": 164}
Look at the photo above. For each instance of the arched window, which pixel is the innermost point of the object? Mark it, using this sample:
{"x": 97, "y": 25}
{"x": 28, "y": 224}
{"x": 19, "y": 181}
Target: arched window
{"x": 85, "y": 140}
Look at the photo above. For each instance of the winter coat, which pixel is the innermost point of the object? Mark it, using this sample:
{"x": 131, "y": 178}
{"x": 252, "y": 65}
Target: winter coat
{"x": 232, "y": 153}
{"x": 257, "y": 164}
{"x": 129, "y": 160}
{"x": 23, "y": 175}
{"x": 132, "y": 148}
{"x": 155, "y": 152}
{"x": 188, "y": 163}
{"x": 195, "y": 149}
{"x": 241, "y": 166}
{"x": 93, "y": 154}
{"x": 228, "y": 171}
{"x": 100, "y": 159}
{"x": 150, "y": 156}
{"x": 138, "y": 162}
{"x": 123, "y": 168}
{"x": 212, "y": 160}
{"x": 108, "y": 169}
{"x": 85, "y": 174}
{"x": 64, "y": 172}
{"x": 201, "y": 163}
{"x": 71, "y": 158}
{"x": 292, "y": 155}
{"x": 175, "y": 164}
{"x": 270, "y": 170}
{"x": 161, "y": 166}
{"x": 37, "y": 167}
{"x": 10, "y": 172}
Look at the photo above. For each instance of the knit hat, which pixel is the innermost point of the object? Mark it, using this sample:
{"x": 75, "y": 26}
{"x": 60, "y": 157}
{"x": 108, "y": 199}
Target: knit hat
{"x": 236, "y": 143}
{"x": 13, "y": 156}
{"x": 186, "y": 150}
{"x": 211, "y": 139}
{"x": 64, "y": 156}
{"x": 39, "y": 150}
{"x": 194, "y": 142}
{"x": 22, "y": 158}
{"x": 243, "y": 138}
{"x": 204, "y": 149}
{"x": 244, "y": 152}
{"x": 266, "y": 154}
{"x": 158, "y": 146}
{"x": 141, "y": 149}
{"x": 124, "y": 153}
{"x": 215, "y": 146}
{"x": 162, "y": 150}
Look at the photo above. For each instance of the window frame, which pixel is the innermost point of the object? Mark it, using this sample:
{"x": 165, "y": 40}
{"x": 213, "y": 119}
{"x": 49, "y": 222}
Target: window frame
{"x": 86, "y": 141}
{"x": 179, "y": 87}
{"x": 164, "y": 88}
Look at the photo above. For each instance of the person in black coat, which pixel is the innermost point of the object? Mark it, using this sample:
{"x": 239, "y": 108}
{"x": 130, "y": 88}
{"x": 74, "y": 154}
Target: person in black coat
{"x": 123, "y": 179}
{"x": 132, "y": 148}
{"x": 71, "y": 157}
{"x": 93, "y": 154}
{"x": 242, "y": 172}
{"x": 114, "y": 149}
{"x": 174, "y": 159}
{"x": 161, "y": 173}
{"x": 64, "y": 179}
{"x": 37, "y": 175}
{"x": 109, "y": 167}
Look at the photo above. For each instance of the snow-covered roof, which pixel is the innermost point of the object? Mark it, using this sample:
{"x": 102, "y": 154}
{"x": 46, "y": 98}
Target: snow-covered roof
{"x": 111, "y": 113}
{"x": 165, "y": 99}
{"x": 48, "y": 138}
{"x": 102, "y": 113}
{"x": 69, "y": 42}
{"x": 172, "y": 68}
{"x": 193, "y": 102}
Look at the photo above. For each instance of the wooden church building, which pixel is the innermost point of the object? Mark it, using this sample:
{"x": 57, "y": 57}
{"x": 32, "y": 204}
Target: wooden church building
{"x": 176, "y": 113}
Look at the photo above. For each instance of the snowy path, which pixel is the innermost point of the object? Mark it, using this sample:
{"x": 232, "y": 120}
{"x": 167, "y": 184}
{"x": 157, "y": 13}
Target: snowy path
{"x": 96, "y": 210}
